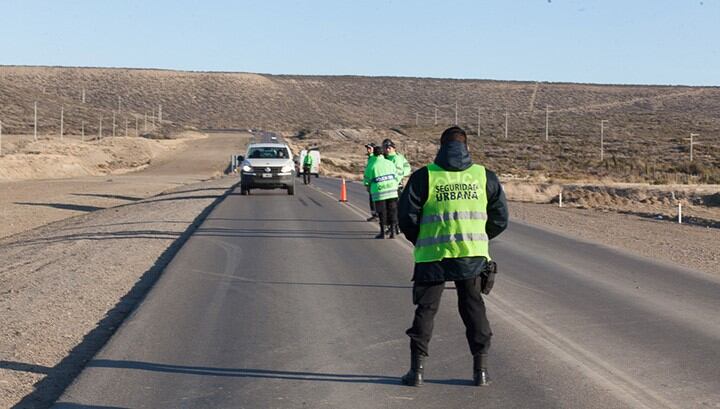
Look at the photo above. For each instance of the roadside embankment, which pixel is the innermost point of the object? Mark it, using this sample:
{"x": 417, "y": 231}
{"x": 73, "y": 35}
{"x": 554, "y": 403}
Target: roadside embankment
{"x": 65, "y": 287}
{"x": 26, "y": 204}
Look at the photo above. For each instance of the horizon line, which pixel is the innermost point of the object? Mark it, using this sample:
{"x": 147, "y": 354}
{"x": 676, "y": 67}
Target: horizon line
{"x": 355, "y": 76}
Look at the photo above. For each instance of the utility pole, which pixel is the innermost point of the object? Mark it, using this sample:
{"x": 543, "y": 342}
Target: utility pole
{"x": 145, "y": 126}
{"x": 602, "y": 139}
{"x": 435, "y": 115}
{"x": 478, "y": 129}
{"x": 416, "y": 118}
{"x": 83, "y": 95}
{"x": 119, "y": 103}
{"x": 547, "y": 123}
{"x": 82, "y": 131}
{"x": 100, "y": 129}
{"x": 35, "y": 122}
{"x": 126, "y": 127}
{"x": 456, "y": 113}
{"x": 692, "y": 135}
{"x": 113, "y": 132}
{"x": 159, "y": 112}
{"x": 62, "y": 121}
{"x": 506, "y": 124}
{"x": 136, "y": 126}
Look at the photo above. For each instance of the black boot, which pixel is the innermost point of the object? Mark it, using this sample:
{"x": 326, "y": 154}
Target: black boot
{"x": 381, "y": 235}
{"x": 480, "y": 373}
{"x": 392, "y": 231}
{"x": 397, "y": 229}
{"x": 414, "y": 377}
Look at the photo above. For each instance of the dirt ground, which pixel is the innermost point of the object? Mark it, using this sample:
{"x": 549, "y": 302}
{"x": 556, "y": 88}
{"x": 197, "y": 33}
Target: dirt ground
{"x": 692, "y": 246}
{"x": 30, "y": 203}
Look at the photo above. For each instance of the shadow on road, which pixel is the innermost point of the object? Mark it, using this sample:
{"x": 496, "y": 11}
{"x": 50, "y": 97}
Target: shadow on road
{"x": 79, "y": 406}
{"x": 287, "y": 220}
{"x": 244, "y": 372}
{"x": 285, "y": 233}
{"x": 301, "y": 283}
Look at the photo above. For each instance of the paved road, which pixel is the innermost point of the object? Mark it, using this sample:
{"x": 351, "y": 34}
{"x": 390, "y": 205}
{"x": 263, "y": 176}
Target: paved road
{"x": 288, "y": 302}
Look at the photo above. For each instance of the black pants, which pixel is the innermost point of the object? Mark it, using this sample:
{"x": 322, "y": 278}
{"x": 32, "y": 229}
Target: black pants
{"x": 387, "y": 211}
{"x": 426, "y": 296}
{"x": 306, "y": 175}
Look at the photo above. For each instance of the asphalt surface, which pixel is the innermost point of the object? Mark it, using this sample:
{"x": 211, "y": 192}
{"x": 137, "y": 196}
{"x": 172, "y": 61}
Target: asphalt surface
{"x": 288, "y": 302}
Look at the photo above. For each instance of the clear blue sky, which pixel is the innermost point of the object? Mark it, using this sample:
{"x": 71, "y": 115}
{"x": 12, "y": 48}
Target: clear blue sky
{"x": 599, "y": 41}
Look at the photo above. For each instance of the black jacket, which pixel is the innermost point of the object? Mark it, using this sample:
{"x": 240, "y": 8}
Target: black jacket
{"x": 452, "y": 156}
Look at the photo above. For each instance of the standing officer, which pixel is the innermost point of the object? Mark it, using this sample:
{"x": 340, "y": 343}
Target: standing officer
{"x": 307, "y": 166}
{"x": 370, "y": 159}
{"x": 402, "y": 165}
{"x": 449, "y": 210}
{"x": 383, "y": 190}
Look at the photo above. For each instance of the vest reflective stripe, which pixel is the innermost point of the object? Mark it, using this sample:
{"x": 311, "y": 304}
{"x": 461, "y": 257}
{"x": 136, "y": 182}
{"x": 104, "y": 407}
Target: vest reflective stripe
{"x": 454, "y": 215}
{"x": 452, "y": 237}
{"x": 384, "y": 196}
{"x": 445, "y": 217}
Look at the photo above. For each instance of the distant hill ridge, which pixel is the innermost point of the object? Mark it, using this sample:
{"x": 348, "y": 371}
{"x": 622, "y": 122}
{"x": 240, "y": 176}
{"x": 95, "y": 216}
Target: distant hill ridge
{"x": 292, "y": 102}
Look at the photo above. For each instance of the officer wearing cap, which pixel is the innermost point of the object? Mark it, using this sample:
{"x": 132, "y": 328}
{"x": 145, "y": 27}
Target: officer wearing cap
{"x": 370, "y": 159}
{"x": 401, "y": 164}
{"x": 450, "y": 210}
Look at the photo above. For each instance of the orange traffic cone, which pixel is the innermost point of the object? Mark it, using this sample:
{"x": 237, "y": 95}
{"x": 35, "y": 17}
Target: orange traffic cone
{"x": 343, "y": 191}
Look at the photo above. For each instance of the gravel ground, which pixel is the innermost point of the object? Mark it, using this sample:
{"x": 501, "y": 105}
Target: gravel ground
{"x": 686, "y": 245}
{"x": 65, "y": 287}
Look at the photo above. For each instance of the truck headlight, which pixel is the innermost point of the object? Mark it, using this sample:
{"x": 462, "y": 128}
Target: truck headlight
{"x": 246, "y": 168}
{"x": 287, "y": 168}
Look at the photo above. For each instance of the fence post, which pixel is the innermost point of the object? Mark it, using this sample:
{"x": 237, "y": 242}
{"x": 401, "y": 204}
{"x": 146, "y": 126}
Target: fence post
{"x": 679, "y": 213}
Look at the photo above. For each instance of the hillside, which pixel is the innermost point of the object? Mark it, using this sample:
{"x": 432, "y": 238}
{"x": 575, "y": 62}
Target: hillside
{"x": 644, "y": 136}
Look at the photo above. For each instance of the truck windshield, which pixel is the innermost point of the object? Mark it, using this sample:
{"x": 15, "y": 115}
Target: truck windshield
{"x": 268, "y": 153}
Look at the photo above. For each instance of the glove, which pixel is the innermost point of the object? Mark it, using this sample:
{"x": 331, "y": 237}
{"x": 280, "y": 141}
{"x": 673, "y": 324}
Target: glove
{"x": 487, "y": 278}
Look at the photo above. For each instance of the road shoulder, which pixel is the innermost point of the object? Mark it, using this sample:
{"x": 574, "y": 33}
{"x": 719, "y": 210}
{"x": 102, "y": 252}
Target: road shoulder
{"x": 68, "y": 285}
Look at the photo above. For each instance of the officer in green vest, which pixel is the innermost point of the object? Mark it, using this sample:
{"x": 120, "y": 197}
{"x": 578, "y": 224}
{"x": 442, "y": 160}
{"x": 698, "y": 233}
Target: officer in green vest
{"x": 401, "y": 164}
{"x": 370, "y": 160}
{"x": 449, "y": 210}
{"x": 383, "y": 182}
{"x": 307, "y": 166}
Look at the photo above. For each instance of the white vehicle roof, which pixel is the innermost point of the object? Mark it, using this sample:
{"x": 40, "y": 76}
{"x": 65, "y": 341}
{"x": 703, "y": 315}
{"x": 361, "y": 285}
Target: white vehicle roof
{"x": 267, "y": 145}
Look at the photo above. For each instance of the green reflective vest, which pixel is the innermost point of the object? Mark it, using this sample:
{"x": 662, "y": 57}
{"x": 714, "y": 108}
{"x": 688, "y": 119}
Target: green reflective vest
{"x": 402, "y": 165}
{"x": 454, "y": 216}
{"x": 368, "y": 169}
{"x": 383, "y": 180}
{"x": 308, "y": 161}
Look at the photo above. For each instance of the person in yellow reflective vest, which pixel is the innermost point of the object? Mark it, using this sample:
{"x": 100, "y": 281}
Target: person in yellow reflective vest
{"x": 450, "y": 210}
{"x": 382, "y": 179}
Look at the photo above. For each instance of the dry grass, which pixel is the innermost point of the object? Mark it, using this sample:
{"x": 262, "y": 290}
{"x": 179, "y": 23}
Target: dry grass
{"x": 644, "y": 136}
